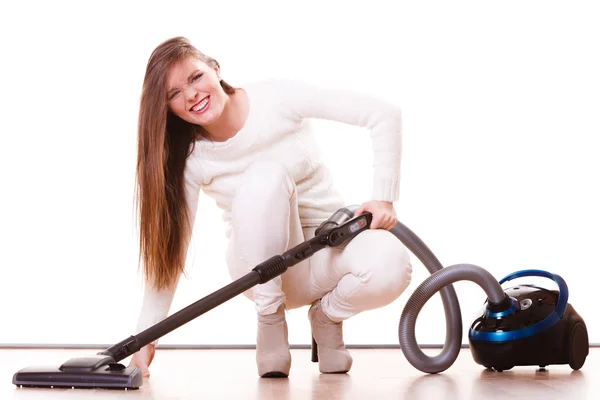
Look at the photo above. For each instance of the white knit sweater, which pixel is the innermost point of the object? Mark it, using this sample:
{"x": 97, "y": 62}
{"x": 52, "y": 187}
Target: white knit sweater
{"x": 278, "y": 128}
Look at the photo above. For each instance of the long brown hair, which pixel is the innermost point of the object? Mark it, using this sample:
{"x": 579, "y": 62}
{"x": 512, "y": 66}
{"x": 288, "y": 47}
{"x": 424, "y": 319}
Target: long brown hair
{"x": 164, "y": 143}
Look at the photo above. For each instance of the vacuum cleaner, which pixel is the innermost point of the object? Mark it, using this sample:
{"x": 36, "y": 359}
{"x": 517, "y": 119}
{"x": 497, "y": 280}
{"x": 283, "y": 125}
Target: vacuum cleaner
{"x": 524, "y": 325}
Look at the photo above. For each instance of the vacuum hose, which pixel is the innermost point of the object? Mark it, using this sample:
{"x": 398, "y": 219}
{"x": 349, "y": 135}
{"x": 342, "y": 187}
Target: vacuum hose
{"x": 441, "y": 280}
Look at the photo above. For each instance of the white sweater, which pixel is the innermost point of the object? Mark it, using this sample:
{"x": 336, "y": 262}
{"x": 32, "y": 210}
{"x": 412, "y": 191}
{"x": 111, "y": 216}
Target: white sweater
{"x": 278, "y": 128}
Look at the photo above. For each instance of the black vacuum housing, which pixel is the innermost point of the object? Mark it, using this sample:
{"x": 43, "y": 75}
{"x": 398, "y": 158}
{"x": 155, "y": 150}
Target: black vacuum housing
{"x": 541, "y": 328}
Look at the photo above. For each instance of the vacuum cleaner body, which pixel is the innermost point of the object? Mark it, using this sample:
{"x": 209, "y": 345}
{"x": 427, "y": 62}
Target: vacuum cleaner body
{"x": 541, "y": 328}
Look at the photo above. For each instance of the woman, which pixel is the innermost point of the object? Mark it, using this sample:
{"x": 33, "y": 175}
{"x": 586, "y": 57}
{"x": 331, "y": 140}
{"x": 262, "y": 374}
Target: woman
{"x": 251, "y": 149}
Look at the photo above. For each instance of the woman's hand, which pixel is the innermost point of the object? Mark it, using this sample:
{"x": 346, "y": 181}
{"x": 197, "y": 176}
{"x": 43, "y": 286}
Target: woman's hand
{"x": 384, "y": 214}
{"x": 143, "y": 358}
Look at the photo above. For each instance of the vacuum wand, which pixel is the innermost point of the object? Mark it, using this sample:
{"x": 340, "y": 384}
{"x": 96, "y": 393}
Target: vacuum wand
{"x": 334, "y": 232}
{"x": 134, "y": 343}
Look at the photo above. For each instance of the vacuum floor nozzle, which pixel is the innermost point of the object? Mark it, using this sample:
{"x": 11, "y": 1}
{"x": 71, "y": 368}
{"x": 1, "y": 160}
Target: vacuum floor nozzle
{"x": 81, "y": 372}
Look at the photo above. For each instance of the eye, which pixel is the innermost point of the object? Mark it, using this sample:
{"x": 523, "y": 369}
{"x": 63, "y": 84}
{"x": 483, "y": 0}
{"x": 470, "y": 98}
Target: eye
{"x": 172, "y": 95}
{"x": 196, "y": 77}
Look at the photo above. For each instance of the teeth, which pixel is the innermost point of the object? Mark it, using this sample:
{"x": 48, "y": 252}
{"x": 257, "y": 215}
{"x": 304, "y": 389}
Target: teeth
{"x": 201, "y": 105}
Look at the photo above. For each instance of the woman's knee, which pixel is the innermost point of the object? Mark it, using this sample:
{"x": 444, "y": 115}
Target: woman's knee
{"x": 380, "y": 261}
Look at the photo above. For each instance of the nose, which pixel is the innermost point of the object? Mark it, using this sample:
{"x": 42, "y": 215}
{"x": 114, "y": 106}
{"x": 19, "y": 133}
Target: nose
{"x": 189, "y": 92}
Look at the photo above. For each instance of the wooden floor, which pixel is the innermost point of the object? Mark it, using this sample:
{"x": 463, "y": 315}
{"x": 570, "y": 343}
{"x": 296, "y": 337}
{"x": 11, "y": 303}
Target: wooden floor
{"x": 376, "y": 374}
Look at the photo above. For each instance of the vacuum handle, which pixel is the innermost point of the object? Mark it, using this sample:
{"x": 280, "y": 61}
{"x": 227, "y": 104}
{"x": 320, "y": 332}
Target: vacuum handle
{"x": 347, "y": 231}
{"x": 337, "y": 218}
{"x": 563, "y": 289}
{"x": 343, "y": 225}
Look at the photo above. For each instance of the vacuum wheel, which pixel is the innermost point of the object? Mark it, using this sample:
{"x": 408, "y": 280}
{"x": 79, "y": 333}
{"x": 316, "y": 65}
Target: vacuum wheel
{"x": 579, "y": 346}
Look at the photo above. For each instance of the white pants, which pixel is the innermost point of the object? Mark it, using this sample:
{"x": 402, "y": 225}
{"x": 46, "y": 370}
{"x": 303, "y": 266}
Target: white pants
{"x": 371, "y": 271}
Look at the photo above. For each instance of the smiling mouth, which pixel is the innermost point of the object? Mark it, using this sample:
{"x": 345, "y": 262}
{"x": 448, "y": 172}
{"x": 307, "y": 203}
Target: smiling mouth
{"x": 201, "y": 105}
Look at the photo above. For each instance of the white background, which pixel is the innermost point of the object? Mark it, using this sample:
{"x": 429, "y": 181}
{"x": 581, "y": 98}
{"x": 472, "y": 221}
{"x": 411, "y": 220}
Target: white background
{"x": 500, "y": 164}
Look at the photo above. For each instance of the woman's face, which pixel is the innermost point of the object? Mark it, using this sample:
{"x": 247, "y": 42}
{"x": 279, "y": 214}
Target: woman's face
{"x": 194, "y": 93}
